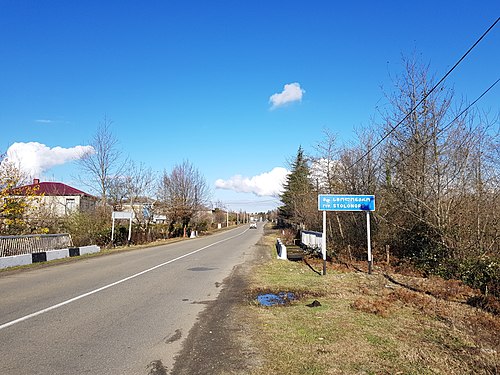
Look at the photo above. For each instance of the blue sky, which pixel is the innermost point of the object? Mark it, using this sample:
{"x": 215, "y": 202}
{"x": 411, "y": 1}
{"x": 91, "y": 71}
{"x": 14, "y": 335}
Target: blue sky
{"x": 192, "y": 80}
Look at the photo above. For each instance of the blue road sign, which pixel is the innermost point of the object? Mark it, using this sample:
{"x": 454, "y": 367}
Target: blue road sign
{"x": 333, "y": 202}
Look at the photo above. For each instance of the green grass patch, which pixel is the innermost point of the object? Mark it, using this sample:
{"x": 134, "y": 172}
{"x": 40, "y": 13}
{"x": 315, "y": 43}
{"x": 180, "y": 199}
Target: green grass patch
{"x": 363, "y": 326}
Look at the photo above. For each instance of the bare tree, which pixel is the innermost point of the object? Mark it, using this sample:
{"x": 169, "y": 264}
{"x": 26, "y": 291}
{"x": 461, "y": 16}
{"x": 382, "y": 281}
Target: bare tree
{"x": 418, "y": 162}
{"x": 350, "y": 172}
{"x": 325, "y": 166}
{"x": 140, "y": 183}
{"x": 118, "y": 192}
{"x": 476, "y": 226}
{"x": 183, "y": 192}
{"x": 103, "y": 163}
{"x": 438, "y": 195}
{"x": 135, "y": 183}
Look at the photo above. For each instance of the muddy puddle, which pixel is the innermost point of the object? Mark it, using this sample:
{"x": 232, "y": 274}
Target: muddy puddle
{"x": 271, "y": 299}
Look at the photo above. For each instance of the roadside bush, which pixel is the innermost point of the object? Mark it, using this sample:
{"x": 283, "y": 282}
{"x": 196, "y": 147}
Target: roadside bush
{"x": 145, "y": 235}
{"x": 482, "y": 273}
{"x": 478, "y": 273}
{"x": 424, "y": 248}
{"x": 486, "y": 303}
{"x": 288, "y": 236}
{"x": 89, "y": 228}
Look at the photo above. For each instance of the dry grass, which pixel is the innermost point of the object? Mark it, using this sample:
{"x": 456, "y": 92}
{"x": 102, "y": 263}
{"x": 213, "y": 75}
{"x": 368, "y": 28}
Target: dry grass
{"x": 367, "y": 324}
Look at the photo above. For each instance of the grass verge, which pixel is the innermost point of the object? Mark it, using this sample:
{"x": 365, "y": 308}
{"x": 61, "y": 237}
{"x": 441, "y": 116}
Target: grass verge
{"x": 366, "y": 324}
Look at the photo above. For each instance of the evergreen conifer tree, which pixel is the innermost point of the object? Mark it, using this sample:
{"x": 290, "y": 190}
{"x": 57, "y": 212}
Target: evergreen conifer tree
{"x": 298, "y": 192}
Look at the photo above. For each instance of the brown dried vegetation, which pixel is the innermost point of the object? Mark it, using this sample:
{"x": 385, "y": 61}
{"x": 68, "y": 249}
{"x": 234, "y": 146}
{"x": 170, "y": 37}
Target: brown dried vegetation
{"x": 384, "y": 323}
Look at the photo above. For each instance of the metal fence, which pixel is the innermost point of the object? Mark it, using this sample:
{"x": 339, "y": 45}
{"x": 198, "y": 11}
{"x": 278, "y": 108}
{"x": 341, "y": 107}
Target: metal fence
{"x": 311, "y": 240}
{"x": 34, "y": 243}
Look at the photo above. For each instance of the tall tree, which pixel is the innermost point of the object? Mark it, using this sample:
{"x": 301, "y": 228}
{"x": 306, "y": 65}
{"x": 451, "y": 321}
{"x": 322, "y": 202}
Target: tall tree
{"x": 103, "y": 163}
{"x": 182, "y": 192}
{"x": 436, "y": 163}
{"x": 140, "y": 183}
{"x": 298, "y": 197}
{"x": 325, "y": 166}
{"x": 417, "y": 161}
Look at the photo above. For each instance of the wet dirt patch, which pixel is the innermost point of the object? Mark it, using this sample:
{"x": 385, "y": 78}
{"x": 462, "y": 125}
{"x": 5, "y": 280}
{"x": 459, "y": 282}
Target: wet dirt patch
{"x": 201, "y": 269}
{"x": 156, "y": 368}
{"x": 176, "y": 336}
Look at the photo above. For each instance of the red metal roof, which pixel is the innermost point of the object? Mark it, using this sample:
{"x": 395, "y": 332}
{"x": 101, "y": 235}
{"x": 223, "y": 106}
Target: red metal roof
{"x": 49, "y": 189}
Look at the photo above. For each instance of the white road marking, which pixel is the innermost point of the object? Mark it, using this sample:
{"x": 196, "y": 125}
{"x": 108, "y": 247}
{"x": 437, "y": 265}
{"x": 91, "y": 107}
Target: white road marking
{"x": 40, "y": 312}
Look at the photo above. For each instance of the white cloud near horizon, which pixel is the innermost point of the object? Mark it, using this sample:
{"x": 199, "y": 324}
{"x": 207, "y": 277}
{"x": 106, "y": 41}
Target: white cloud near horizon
{"x": 35, "y": 158}
{"x": 292, "y": 92}
{"x": 266, "y": 184}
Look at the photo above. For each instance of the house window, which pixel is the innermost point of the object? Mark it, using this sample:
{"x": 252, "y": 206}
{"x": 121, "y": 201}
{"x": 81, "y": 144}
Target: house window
{"x": 70, "y": 205}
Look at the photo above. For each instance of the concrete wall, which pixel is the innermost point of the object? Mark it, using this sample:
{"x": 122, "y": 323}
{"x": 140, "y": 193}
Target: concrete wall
{"x": 281, "y": 250}
{"x": 45, "y": 256}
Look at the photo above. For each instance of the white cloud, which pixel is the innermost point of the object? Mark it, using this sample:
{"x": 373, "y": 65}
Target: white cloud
{"x": 266, "y": 184}
{"x": 43, "y": 121}
{"x": 291, "y": 93}
{"x": 34, "y": 158}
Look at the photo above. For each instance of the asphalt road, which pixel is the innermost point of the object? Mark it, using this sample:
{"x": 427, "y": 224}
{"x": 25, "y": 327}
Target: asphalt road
{"x": 126, "y": 313}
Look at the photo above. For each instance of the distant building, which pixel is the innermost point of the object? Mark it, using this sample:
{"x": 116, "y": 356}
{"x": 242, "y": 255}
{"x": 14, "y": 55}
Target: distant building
{"x": 58, "y": 198}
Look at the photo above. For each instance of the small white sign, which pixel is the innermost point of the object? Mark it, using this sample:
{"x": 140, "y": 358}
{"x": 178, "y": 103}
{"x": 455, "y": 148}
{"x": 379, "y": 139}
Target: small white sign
{"x": 122, "y": 215}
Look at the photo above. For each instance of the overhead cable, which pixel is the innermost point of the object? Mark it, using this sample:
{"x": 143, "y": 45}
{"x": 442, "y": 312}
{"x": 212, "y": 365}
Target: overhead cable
{"x": 425, "y": 96}
{"x": 447, "y": 126}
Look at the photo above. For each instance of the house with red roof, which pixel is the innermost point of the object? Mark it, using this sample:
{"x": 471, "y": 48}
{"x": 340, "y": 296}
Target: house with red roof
{"x": 59, "y": 198}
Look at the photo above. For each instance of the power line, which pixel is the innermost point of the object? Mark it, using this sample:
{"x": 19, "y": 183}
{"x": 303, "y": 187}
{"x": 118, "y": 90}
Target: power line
{"x": 447, "y": 126}
{"x": 467, "y": 108}
{"x": 250, "y": 203}
{"x": 425, "y": 96}
{"x": 243, "y": 203}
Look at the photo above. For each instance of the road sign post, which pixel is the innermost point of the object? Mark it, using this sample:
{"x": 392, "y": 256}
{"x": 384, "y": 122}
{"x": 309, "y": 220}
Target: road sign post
{"x": 122, "y": 215}
{"x": 370, "y": 258}
{"x": 335, "y": 202}
{"x": 323, "y": 243}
